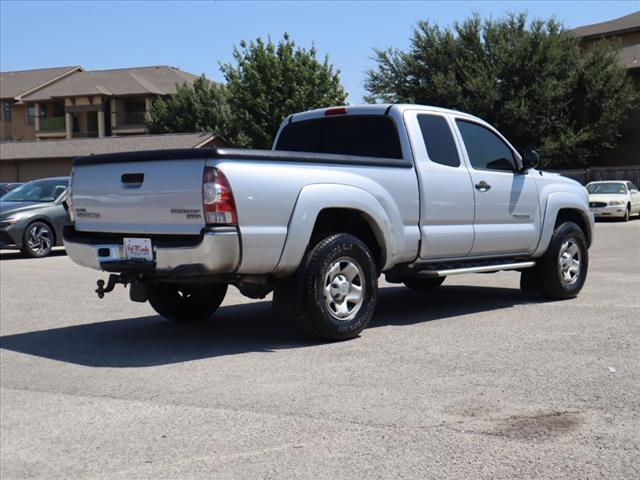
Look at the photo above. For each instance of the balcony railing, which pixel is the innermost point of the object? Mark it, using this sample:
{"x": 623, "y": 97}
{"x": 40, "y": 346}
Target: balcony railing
{"x": 52, "y": 124}
{"x": 84, "y": 134}
{"x": 135, "y": 119}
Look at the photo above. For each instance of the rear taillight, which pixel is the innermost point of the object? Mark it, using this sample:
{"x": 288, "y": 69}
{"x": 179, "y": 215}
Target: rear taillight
{"x": 68, "y": 200}
{"x": 217, "y": 198}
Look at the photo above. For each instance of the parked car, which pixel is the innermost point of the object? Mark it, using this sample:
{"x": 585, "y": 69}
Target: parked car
{"x": 32, "y": 216}
{"x": 7, "y": 187}
{"x": 614, "y": 199}
{"x": 417, "y": 193}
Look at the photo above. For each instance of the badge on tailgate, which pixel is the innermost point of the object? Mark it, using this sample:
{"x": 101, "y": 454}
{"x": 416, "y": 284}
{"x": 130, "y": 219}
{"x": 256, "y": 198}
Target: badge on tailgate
{"x": 138, "y": 249}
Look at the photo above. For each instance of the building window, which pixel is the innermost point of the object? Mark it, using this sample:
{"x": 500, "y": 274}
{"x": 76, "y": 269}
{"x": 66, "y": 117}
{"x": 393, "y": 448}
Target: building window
{"x": 58, "y": 109}
{"x": 6, "y": 109}
{"x": 31, "y": 116}
{"x": 134, "y": 113}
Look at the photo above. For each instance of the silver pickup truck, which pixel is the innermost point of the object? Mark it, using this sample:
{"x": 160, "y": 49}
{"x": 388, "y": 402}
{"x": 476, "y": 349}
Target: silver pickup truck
{"x": 346, "y": 194}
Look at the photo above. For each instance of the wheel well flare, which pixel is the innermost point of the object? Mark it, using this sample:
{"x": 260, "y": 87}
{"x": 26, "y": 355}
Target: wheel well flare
{"x": 355, "y": 222}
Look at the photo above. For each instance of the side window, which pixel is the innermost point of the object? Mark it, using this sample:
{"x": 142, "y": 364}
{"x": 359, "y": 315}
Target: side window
{"x": 485, "y": 149}
{"x": 31, "y": 115}
{"x": 438, "y": 140}
{"x": 631, "y": 186}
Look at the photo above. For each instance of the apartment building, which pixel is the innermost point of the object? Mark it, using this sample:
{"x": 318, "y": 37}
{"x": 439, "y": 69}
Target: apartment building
{"x": 50, "y": 116}
{"x": 69, "y": 102}
{"x": 17, "y": 118}
{"x": 624, "y": 32}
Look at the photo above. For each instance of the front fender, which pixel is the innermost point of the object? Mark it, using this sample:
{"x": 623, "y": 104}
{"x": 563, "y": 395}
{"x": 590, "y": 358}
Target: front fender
{"x": 315, "y": 198}
{"x": 557, "y": 201}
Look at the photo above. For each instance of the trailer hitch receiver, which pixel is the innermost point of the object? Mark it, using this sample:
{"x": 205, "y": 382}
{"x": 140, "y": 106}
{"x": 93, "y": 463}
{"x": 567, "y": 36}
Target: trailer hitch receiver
{"x": 111, "y": 284}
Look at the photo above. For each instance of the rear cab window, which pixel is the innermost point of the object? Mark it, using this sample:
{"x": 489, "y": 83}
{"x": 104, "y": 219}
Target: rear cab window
{"x": 360, "y": 135}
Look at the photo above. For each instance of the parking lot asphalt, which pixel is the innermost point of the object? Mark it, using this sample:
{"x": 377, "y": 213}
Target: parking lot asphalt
{"x": 476, "y": 380}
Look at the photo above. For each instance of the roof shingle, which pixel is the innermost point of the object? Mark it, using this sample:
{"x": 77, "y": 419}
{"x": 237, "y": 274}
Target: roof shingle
{"x": 88, "y": 146}
{"x": 158, "y": 80}
{"x": 15, "y": 84}
{"x": 610, "y": 27}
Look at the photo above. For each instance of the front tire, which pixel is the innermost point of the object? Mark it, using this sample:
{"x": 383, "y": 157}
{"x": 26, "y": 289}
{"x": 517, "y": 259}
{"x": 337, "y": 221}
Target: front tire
{"x": 337, "y": 289}
{"x": 186, "y": 302}
{"x": 627, "y": 213}
{"x": 564, "y": 266}
{"x": 38, "y": 240}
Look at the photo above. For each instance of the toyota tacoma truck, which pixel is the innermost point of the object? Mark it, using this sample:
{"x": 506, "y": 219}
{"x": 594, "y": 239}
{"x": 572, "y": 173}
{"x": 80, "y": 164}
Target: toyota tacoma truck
{"x": 346, "y": 194}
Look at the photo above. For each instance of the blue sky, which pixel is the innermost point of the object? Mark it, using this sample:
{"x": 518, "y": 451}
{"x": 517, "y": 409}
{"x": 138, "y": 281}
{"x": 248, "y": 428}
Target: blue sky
{"x": 196, "y": 36}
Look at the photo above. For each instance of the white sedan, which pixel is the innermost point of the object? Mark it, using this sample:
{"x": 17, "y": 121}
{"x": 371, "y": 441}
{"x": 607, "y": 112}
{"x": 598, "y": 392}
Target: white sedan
{"x": 618, "y": 199}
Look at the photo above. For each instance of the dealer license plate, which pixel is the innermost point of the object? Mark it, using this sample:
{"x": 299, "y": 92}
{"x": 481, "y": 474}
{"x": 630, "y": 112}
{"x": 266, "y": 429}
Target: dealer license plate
{"x": 138, "y": 249}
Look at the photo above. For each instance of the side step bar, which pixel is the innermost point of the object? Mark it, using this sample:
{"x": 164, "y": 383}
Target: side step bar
{"x": 476, "y": 269}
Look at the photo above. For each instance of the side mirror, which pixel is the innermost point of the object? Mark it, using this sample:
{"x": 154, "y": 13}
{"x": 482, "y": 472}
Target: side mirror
{"x": 530, "y": 160}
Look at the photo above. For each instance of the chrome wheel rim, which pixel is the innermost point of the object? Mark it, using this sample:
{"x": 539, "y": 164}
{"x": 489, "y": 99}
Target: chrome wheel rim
{"x": 39, "y": 239}
{"x": 344, "y": 288}
{"x": 569, "y": 261}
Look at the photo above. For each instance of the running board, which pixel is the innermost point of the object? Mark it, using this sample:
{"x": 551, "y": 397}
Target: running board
{"x": 444, "y": 272}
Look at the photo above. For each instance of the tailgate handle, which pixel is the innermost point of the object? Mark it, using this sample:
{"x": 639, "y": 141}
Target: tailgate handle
{"x": 132, "y": 180}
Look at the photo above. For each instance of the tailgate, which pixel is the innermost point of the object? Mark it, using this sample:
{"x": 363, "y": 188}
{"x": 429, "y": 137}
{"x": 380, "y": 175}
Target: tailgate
{"x": 155, "y": 197}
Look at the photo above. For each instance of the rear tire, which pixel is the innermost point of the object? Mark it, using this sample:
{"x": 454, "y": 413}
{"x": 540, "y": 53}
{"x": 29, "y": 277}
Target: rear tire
{"x": 563, "y": 268}
{"x": 424, "y": 284}
{"x": 186, "y": 302}
{"x": 333, "y": 294}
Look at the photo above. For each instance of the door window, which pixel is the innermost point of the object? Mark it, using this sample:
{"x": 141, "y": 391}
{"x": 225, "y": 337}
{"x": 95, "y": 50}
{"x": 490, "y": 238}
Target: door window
{"x": 486, "y": 150}
{"x": 438, "y": 140}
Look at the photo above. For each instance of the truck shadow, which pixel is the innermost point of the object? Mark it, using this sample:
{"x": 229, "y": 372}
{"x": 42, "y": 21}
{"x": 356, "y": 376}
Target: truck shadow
{"x": 16, "y": 255}
{"x": 152, "y": 341}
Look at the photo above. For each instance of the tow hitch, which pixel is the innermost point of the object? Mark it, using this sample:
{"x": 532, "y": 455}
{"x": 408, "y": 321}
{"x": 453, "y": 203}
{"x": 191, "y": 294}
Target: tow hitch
{"x": 138, "y": 290}
{"x": 111, "y": 284}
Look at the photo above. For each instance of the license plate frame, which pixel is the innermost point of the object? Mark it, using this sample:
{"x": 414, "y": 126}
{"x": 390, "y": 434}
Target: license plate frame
{"x": 138, "y": 249}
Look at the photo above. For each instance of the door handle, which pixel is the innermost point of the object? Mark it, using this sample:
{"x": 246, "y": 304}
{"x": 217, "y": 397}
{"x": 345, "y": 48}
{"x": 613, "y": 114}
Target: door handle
{"x": 483, "y": 186}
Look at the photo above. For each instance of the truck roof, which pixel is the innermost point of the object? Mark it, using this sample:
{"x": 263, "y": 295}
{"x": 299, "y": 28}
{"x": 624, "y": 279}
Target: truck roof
{"x": 374, "y": 109}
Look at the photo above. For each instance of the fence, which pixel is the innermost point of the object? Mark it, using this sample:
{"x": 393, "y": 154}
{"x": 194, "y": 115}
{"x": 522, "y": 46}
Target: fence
{"x": 593, "y": 174}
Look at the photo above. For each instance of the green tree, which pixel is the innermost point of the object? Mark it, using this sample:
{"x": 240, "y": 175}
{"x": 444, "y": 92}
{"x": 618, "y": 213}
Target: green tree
{"x": 201, "y": 107}
{"x": 531, "y": 80}
{"x": 268, "y": 82}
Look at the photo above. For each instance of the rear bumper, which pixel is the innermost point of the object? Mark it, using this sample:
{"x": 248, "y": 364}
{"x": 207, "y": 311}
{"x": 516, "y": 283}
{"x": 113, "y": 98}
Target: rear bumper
{"x": 216, "y": 250}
